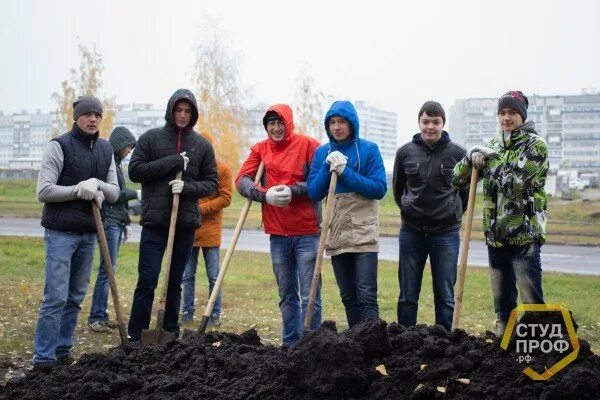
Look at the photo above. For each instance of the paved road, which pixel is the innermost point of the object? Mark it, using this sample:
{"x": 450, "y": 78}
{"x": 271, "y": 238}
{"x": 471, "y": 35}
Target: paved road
{"x": 571, "y": 259}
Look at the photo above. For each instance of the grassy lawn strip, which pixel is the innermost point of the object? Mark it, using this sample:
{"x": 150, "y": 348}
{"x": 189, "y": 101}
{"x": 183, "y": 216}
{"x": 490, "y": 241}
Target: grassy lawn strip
{"x": 250, "y": 297}
{"x": 570, "y": 222}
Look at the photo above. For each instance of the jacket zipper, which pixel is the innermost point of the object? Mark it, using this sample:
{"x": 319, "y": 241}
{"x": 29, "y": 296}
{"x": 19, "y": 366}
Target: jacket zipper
{"x": 430, "y": 162}
{"x": 94, "y": 165}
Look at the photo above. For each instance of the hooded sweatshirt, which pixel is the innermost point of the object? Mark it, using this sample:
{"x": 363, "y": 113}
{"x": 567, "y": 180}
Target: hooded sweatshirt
{"x": 286, "y": 162}
{"x": 156, "y": 161}
{"x": 514, "y": 199}
{"x": 355, "y": 223}
{"x": 422, "y": 185}
{"x": 118, "y": 211}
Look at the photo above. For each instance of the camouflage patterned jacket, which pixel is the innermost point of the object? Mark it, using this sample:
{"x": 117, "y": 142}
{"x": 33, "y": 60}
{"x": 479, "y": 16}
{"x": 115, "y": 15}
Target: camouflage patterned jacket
{"x": 514, "y": 199}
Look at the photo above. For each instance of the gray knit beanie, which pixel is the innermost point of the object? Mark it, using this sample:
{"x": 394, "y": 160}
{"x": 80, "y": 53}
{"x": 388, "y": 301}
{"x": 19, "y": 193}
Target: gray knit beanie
{"x": 85, "y": 105}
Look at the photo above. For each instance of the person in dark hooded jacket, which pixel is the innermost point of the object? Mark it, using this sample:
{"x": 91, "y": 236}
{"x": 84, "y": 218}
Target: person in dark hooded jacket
{"x": 353, "y": 238}
{"x": 431, "y": 211}
{"x": 116, "y": 228}
{"x": 159, "y": 155}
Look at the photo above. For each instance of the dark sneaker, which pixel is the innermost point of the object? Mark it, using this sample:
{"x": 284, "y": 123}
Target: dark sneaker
{"x": 187, "y": 317}
{"x": 214, "y": 321}
{"x": 500, "y": 327}
{"x": 99, "y": 327}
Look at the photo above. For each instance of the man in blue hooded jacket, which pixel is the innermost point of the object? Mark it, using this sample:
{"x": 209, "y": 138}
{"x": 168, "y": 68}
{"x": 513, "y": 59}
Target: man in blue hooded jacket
{"x": 353, "y": 238}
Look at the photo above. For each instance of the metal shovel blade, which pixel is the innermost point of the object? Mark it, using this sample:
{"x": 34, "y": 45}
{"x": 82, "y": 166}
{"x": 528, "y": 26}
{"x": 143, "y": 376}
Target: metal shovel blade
{"x": 188, "y": 334}
{"x": 156, "y": 336}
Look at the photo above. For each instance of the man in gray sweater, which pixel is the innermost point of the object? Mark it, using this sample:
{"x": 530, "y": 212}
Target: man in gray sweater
{"x": 78, "y": 167}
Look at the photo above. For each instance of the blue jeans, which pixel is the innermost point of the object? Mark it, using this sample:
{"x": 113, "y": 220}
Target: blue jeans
{"x": 211, "y": 262}
{"x": 69, "y": 259}
{"x": 512, "y": 267}
{"x": 293, "y": 259}
{"x": 153, "y": 243}
{"x": 442, "y": 250}
{"x": 99, "y": 308}
{"x": 356, "y": 276}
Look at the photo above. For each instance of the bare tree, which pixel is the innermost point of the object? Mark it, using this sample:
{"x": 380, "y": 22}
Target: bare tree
{"x": 215, "y": 78}
{"x": 309, "y": 108}
{"x": 87, "y": 80}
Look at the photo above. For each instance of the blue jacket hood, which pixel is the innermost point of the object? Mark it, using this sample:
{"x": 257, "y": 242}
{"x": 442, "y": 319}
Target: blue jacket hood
{"x": 346, "y": 110}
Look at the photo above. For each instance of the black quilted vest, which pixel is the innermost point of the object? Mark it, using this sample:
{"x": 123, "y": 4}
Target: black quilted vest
{"x": 85, "y": 156}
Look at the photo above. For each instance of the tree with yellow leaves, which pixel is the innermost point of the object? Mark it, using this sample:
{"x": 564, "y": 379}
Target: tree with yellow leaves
{"x": 85, "y": 81}
{"x": 219, "y": 99}
{"x": 309, "y": 108}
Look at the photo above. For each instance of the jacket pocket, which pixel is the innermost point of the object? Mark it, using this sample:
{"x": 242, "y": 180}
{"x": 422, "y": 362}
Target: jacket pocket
{"x": 340, "y": 233}
{"x": 411, "y": 168}
{"x": 446, "y": 169}
{"x": 365, "y": 230}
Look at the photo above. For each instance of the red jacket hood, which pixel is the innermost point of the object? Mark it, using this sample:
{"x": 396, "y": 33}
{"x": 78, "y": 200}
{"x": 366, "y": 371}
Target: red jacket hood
{"x": 285, "y": 113}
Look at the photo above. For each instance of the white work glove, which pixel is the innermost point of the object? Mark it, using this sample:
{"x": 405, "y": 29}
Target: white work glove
{"x": 87, "y": 189}
{"x": 99, "y": 198}
{"x": 126, "y": 233}
{"x": 337, "y": 162}
{"x": 479, "y": 155}
{"x": 139, "y": 194}
{"x": 176, "y": 186}
{"x": 279, "y": 195}
{"x": 186, "y": 160}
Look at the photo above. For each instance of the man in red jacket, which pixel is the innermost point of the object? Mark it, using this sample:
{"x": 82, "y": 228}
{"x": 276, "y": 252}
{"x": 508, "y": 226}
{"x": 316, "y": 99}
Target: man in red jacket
{"x": 288, "y": 214}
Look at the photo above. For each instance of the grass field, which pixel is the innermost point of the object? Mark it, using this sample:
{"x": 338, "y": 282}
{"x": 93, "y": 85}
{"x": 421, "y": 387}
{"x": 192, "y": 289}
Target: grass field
{"x": 570, "y": 222}
{"x": 250, "y": 298}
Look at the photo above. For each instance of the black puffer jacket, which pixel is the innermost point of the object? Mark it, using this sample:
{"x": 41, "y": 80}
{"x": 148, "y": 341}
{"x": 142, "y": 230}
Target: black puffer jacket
{"x": 156, "y": 160}
{"x": 422, "y": 189}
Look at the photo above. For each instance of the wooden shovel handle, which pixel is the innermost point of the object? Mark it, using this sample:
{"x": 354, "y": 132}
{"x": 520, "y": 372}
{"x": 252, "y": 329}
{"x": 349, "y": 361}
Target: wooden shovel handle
{"x": 464, "y": 251}
{"x": 168, "y": 256}
{"x": 322, "y": 240}
{"x": 108, "y": 268}
{"x": 229, "y": 254}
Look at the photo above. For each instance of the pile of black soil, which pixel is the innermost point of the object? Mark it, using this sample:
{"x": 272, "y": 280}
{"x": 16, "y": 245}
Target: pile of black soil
{"x": 371, "y": 361}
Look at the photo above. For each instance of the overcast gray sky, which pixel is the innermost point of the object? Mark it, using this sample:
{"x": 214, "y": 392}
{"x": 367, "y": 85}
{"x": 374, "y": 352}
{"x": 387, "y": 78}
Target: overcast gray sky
{"x": 393, "y": 54}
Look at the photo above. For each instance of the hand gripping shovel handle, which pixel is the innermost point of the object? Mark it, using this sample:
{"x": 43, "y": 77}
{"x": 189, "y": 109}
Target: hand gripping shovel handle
{"x": 464, "y": 251}
{"x": 108, "y": 268}
{"x": 322, "y": 240}
{"x": 229, "y": 254}
{"x": 169, "y": 255}
{"x": 159, "y": 335}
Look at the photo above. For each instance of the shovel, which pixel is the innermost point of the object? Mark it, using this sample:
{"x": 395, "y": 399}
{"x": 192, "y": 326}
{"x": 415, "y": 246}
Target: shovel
{"x": 464, "y": 251}
{"x": 108, "y": 268}
{"x": 159, "y": 335}
{"x": 319, "y": 261}
{"x": 225, "y": 263}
